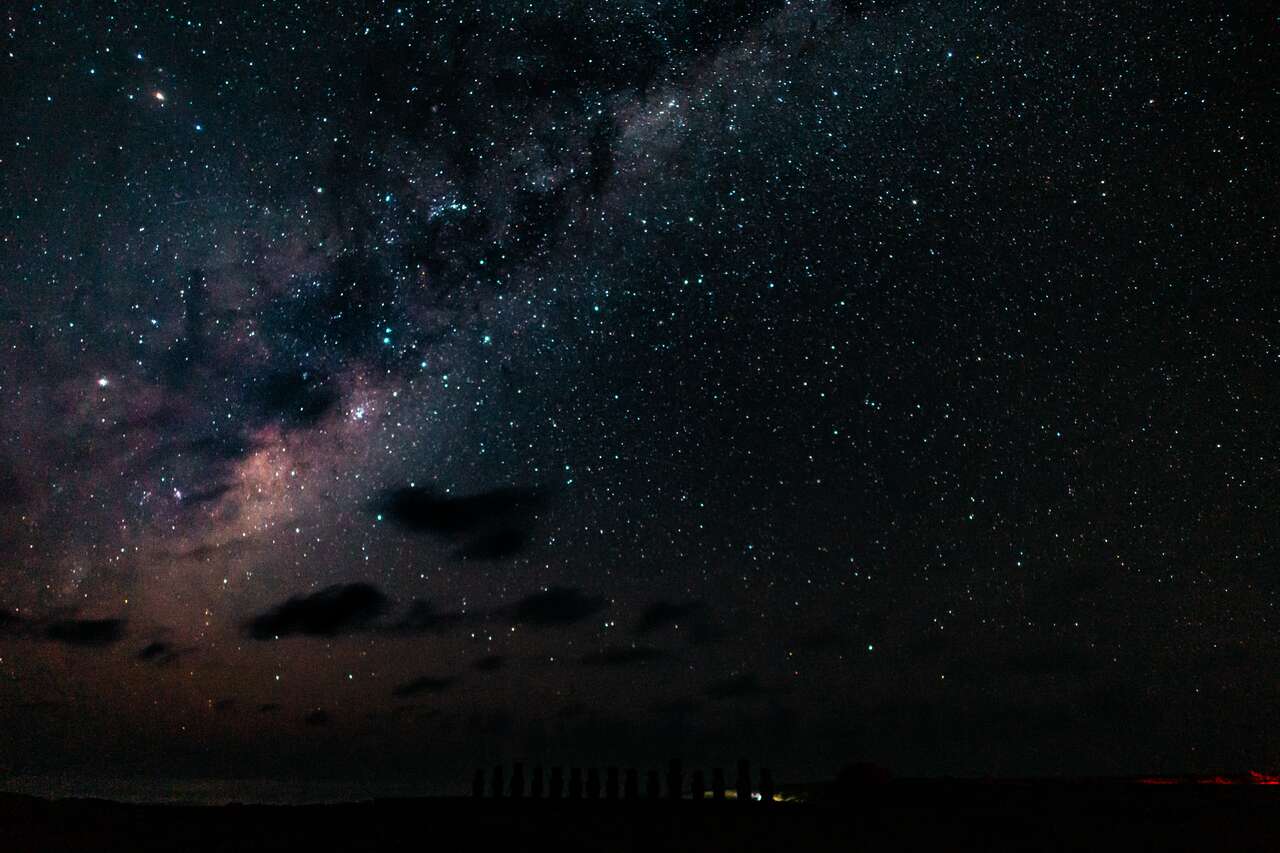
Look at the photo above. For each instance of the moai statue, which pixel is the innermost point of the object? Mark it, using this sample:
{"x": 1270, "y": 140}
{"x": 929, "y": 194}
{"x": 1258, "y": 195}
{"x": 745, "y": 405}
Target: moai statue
{"x": 675, "y": 779}
{"x": 495, "y": 781}
{"x": 698, "y": 788}
{"x": 632, "y": 784}
{"x": 743, "y": 783}
{"x": 517, "y": 780}
{"x": 477, "y": 784}
{"x": 575, "y": 783}
{"x": 556, "y": 790}
{"x": 593, "y": 783}
{"x": 652, "y": 788}
{"x": 717, "y": 783}
{"x": 611, "y": 783}
{"x": 767, "y": 789}
{"x": 535, "y": 787}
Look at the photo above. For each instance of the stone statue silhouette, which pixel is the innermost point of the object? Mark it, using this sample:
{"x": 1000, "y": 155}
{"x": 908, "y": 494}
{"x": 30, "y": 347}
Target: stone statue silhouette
{"x": 633, "y": 783}
{"x": 611, "y": 783}
{"x": 743, "y": 782}
{"x": 495, "y": 782}
{"x": 535, "y": 786}
{"x": 556, "y": 790}
{"x": 675, "y": 779}
{"x": 517, "y": 780}
{"x": 575, "y": 783}
{"x": 767, "y": 789}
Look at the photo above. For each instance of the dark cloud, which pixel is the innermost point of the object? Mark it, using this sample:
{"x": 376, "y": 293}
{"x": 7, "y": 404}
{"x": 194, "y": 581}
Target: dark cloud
{"x": 86, "y": 633}
{"x": 489, "y": 526}
{"x": 555, "y": 606}
{"x": 318, "y": 717}
{"x": 201, "y": 553}
{"x": 224, "y": 705}
{"x": 207, "y": 495}
{"x": 420, "y": 509}
{"x": 11, "y": 624}
{"x": 215, "y": 448}
{"x": 82, "y": 633}
{"x": 154, "y": 651}
{"x": 297, "y": 398}
{"x": 490, "y": 663}
{"x": 662, "y": 614}
{"x": 425, "y": 684}
{"x": 624, "y": 656}
{"x": 339, "y": 609}
{"x": 744, "y": 686}
{"x": 160, "y": 652}
{"x": 268, "y": 708}
{"x": 422, "y": 618}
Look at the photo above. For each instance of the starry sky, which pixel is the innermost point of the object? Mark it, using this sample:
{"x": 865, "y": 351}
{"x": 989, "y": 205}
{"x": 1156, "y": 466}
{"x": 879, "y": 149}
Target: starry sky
{"x": 397, "y": 388}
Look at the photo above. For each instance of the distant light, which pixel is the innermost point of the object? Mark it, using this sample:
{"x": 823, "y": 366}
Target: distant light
{"x": 103, "y": 382}
{"x": 160, "y": 97}
{"x": 199, "y": 128}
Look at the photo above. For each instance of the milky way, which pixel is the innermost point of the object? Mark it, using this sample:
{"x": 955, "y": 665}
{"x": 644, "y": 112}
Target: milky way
{"x": 396, "y": 389}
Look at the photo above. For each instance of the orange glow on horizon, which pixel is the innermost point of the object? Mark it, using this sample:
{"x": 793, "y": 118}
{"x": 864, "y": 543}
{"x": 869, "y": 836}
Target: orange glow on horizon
{"x": 1250, "y": 778}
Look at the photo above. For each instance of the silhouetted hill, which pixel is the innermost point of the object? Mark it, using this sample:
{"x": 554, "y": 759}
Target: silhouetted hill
{"x": 935, "y": 814}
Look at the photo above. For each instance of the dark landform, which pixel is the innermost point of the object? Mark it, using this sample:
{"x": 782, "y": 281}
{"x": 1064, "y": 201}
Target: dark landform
{"x": 904, "y": 814}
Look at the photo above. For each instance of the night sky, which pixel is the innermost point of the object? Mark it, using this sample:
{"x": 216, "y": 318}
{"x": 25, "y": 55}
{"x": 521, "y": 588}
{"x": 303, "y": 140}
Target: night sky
{"x": 395, "y": 389}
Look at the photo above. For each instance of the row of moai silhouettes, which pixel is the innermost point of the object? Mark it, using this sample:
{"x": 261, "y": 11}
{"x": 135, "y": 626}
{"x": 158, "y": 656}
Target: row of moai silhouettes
{"x": 591, "y": 789}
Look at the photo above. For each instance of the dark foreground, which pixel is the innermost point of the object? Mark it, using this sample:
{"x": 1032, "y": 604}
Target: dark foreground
{"x": 918, "y": 816}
